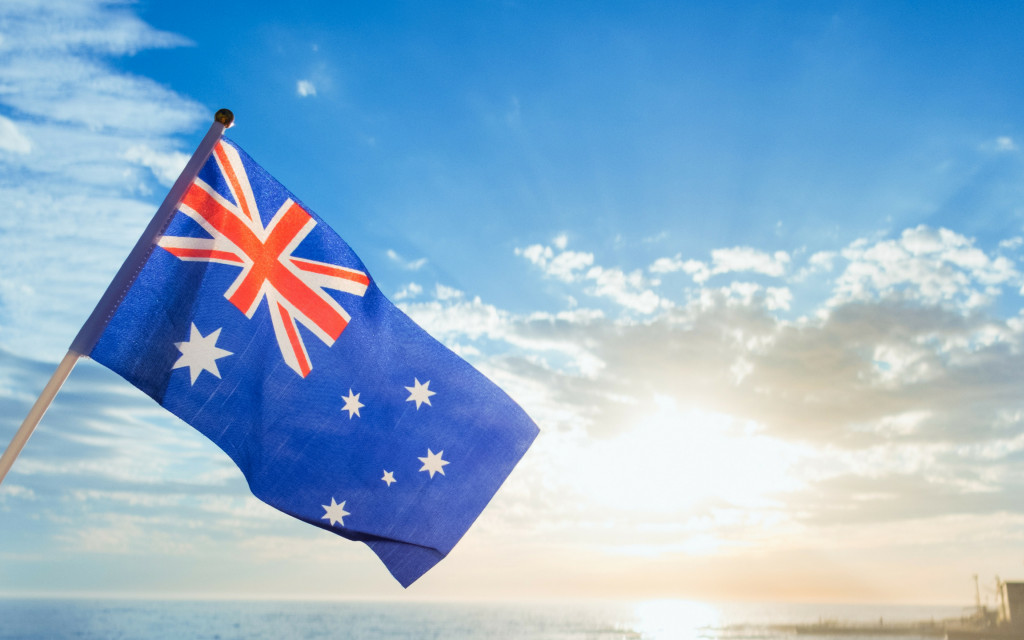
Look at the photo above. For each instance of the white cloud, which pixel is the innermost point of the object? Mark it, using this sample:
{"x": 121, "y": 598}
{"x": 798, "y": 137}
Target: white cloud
{"x": 934, "y": 266}
{"x": 1012, "y": 244}
{"x": 566, "y": 266}
{"x": 80, "y": 185}
{"x": 166, "y": 166}
{"x": 739, "y": 259}
{"x": 93, "y": 25}
{"x": 699, "y": 271}
{"x": 630, "y": 290}
{"x": 305, "y": 88}
{"x": 411, "y": 265}
{"x": 731, "y": 260}
{"x": 442, "y": 292}
{"x": 16, "y": 491}
{"x": 778, "y": 298}
{"x": 627, "y": 289}
{"x": 410, "y": 290}
{"x": 1002, "y": 144}
{"x": 666, "y": 265}
{"x": 12, "y": 139}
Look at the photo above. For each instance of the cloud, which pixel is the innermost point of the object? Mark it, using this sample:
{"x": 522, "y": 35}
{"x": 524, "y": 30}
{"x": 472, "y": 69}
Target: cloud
{"x": 748, "y": 259}
{"x": 12, "y": 139}
{"x": 166, "y": 166}
{"x": 410, "y": 290}
{"x": 442, "y": 292}
{"x": 90, "y": 25}
{"x": 1001, "y": 144}
{"x": 305, "y": 88}
{"x": 411, "y": 265}
{"x": 930, "y": 265}
{"x": 629, "y": 290}
{"x": 731, "y": 260}
{"x": 97, "y": 137}
{"x": 567, "y": 266}
{"x": 885, "y": 408}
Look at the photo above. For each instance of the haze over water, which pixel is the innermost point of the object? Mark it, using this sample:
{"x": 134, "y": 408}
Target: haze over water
{"x": 224, "y": 620}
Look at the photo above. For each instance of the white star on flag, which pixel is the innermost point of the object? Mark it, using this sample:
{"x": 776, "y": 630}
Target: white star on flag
{"x": 389, "y": 477}
{"x": 420, "y": 393}
{"x": 200, "y": 353}
{"x": 433, "y": 463}
{"x": 352, "y": 404}
{"x": 335, "y": 512}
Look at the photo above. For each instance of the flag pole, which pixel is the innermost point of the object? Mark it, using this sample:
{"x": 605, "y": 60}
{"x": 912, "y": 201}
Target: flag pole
{"x": 35, "y": 414}
{"x": 93, "y": 328}
{"x": 125, "y": 277}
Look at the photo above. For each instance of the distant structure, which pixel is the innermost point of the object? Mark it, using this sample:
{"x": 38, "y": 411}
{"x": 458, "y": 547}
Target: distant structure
{"x": 1005, "y": 622}
{"x": 1014, "y": 599}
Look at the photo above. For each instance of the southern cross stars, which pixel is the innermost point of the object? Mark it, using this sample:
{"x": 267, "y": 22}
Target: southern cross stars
{"x": 433, "y": 463}
{"x": 335, "y": 512}
{"x": 200, "y": 353}
{"x": 352, "y": 404}
{"x": 419, "y": 393}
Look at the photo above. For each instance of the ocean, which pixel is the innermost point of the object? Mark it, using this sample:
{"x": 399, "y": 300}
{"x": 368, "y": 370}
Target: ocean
{"x": 87, "y": 619}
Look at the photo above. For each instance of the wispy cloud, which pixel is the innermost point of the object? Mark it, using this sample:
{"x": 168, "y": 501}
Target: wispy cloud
{"x": 630, "y": 290}
{"x": 411, "y": 265}
{"x": 89, "y": 145}
{"x": 731, "y": 260}
{"x": 11, "y": 137}
{"x": 410, "y": 290}
{"x": 1001, "y": 144}
{"x": 165, "y": 165}
{"x": 305, "y": 88}
{"x": 567, "y": 266}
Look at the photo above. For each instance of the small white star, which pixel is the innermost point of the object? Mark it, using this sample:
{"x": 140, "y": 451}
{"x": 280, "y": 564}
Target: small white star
{"x": 352, "y": 404}
{"x": 389, "y": 477}
{"x": 433, "y": 463}
{"x": 200, "y": 353}
{"x": 335, "y": 512}
{"x": 420, "y": 393}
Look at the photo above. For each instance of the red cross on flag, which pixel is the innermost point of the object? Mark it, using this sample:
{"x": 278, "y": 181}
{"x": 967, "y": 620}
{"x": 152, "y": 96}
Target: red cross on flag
{"x": 293, "y": 287}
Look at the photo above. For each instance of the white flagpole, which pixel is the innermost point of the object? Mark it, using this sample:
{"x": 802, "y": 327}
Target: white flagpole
{"x": 35, "y": 414}
{"x": 93, "y": 328}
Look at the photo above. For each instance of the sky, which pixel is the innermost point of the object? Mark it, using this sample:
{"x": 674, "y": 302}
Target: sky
{"x": 755, "y": 269}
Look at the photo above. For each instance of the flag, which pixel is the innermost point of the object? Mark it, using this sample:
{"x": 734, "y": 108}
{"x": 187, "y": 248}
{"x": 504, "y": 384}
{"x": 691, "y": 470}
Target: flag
{"x": 255, "y": 323}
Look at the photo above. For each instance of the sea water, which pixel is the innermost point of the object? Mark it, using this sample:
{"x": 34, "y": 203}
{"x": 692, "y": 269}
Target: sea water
{"x": 87, "y": 619}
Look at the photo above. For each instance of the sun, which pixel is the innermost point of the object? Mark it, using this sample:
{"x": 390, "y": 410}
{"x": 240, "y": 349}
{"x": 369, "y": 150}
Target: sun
{"x": 676, "y": 461}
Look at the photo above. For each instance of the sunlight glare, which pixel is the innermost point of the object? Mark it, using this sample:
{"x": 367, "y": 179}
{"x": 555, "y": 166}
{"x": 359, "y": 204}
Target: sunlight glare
{"x": 676, "y": 459}
{"x": 674, "y": 619}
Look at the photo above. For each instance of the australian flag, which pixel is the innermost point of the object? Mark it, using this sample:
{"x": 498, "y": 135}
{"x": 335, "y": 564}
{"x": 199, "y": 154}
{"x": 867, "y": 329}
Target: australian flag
{"x": 254, "y": 322}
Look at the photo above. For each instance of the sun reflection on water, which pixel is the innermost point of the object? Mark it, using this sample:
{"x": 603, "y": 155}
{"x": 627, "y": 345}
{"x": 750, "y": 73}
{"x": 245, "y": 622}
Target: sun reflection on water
{"x": 675, "y": 620}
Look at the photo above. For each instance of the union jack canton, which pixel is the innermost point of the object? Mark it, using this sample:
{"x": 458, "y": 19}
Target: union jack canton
{"x": 254, "y": 322}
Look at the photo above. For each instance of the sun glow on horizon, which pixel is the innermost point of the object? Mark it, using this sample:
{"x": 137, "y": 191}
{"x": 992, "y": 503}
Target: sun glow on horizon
{"x": 681, "y": 481}
{"x": 687, "y": 457}
{"x": 678, "y": 619}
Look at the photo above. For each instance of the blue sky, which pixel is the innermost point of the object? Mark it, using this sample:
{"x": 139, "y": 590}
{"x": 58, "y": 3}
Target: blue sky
{"x": 756, "y": 271}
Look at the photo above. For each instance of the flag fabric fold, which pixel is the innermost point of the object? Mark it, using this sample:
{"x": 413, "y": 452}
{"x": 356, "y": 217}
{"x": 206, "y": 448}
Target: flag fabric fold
{"x": 255, "y": 323}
